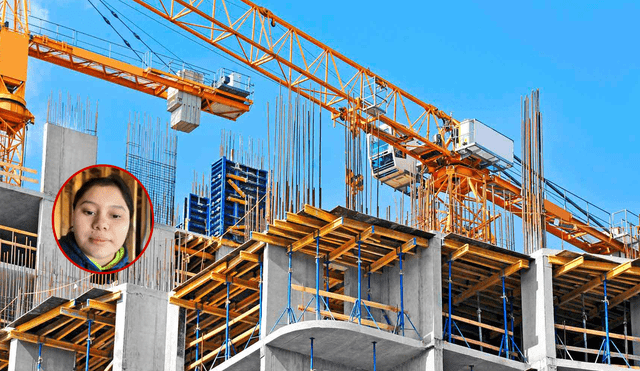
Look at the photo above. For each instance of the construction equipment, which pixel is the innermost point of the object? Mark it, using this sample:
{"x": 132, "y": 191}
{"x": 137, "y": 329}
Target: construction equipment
{"x": 459, "y": 174}
{"x": 185, "y": 91}
{"x": 454, "y": 174}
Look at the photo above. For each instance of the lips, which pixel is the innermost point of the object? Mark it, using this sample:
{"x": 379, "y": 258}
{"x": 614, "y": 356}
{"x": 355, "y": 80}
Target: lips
{"x": 98, "y": 240}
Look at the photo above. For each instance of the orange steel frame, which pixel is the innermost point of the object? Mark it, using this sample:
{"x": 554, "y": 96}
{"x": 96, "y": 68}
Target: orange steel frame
{"x": 297, "y": 60}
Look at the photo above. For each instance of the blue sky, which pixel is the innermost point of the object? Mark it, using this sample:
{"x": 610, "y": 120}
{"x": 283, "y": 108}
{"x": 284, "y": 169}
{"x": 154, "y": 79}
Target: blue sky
{"x": 472, "y": 59}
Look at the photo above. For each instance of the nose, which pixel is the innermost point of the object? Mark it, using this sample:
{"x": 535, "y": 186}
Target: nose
{"x": 101, "y": 222}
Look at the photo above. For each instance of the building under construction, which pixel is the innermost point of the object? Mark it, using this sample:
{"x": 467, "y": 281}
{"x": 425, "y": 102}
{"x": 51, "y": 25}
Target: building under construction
{"x": 253, "y": 272}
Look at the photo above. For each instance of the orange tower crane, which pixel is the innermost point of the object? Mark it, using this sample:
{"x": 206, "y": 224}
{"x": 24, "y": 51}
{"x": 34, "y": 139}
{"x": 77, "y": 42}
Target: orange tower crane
{"x": 367, "y": 102}
{"x": 17, "y": 43}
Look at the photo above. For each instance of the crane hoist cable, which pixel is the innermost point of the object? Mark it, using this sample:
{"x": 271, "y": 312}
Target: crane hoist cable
{"x": 116, "y": 31}
{"x": 113, "y": 12}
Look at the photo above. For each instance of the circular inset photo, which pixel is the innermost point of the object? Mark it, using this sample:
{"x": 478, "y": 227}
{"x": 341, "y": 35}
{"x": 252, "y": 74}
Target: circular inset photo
{"x": 102, "y": 219}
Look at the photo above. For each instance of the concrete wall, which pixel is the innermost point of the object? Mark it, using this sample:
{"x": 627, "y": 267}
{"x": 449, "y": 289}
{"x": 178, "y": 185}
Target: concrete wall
{"x": 422, "y": 291}
{"x": 537, "y": 311}
{"x": 23, "y": 356}
{"x": 274, "y": 296}
{"x": 141, "y": 325}
{"x": 635, "y": 324}
{"x": 64, "y": 151}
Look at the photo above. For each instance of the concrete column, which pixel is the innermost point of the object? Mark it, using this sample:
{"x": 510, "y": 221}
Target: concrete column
{"x": 175, "y": 338}
{"x": 430, "y": 360}
{"x": 141, "y": 325}
{"x": 274, "y": 294}
{"x": 422, "y": 290}
{"x": 23, "y": 356}
{"x": 64, "y": 151}
{"x": 635, "y": 324}
{"x": 537, "y": 312}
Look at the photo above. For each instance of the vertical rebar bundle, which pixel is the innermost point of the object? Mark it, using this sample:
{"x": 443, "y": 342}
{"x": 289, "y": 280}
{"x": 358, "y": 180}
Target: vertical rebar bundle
{"x": 72, "y": 115}
{"x": 533, "y": 222}
{"x": 151, "y": 157}
{"x": 295, "y": 157}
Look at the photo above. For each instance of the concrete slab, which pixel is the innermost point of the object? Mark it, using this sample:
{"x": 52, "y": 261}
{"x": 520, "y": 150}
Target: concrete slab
{"x": 459, "y": 358}
{"x": 247, "y": 360}
{"x": 569, "y": 365}
{"x": 20, "y": 207}
{"x": 346, "y": 343}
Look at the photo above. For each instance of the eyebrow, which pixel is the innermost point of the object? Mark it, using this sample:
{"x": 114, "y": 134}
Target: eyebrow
{"x": 95, "y": 204}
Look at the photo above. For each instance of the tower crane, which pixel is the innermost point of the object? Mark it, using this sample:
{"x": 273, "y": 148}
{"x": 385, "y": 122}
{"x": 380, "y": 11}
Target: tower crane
{"x": 185, "y": 91}
{"x": 408, "y": 138}
{"x": 397, "y": 122}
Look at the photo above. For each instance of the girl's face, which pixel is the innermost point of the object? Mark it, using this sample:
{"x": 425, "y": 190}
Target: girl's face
{"x": 101, "y": 223}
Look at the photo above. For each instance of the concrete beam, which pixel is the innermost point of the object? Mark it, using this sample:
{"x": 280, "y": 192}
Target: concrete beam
{"x": 23, "y": 356}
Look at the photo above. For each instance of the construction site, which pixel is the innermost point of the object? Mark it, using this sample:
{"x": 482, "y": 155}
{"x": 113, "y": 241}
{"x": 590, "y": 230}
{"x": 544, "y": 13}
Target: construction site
{"x": 415, "y": 242}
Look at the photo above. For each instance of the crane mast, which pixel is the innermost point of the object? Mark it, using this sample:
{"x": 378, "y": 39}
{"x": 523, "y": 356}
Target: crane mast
{"x": 366, "y": 102}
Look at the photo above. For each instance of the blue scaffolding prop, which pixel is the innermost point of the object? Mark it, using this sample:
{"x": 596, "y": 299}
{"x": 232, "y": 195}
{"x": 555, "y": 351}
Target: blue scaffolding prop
{"x": 318, "y": 299}
{"x": 227, "y": 345}
{"x": 506, "y": 339}
{"x": 450, "y": 321}
{"x": 197, "y": 337}
{"x": 39, "y": 356}
{"x": 605, "y": 347}
{"x": 374, "y": 356}
{"x": 86, "y": 364}
{"x": 356, "y": 311}
{"x": 311, "y": 356}
{"x": 291, "y": 317}
{"x": 251, "y": 337}
{"x": 400, "y": 324}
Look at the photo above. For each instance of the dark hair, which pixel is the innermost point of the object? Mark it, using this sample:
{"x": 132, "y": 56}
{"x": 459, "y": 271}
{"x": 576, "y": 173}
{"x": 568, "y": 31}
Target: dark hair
{"x": 111, "y": 180}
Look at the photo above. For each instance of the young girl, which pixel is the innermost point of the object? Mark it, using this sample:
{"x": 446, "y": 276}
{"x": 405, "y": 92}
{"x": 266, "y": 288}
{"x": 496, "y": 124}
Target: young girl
{"x": 102, "y": 213}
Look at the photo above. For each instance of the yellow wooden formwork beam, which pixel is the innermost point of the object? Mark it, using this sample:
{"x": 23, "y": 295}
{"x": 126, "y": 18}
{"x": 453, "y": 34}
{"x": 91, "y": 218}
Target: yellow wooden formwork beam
{"x": 263, "y": 237}
{"x": 344, "y": 317}
{"x": 49, "y": 315}
{"x": 221, "y": 328}
{"x": 98, "y": 305}
{"x": 568, "y": 267}
{"x": 348, "y": 299}
{"x": 460, "y": 252}
{"x": 392, "y": 255}
{"x": 618, "y": 270}
{"x": 304, "y": 241}
{"x": 338, "y": 252}
{"x": 88, "y": 316}
{"x": 492, "y": 280}
{"x": 198, "y": 281}
{"x": 635, "y": 290}
{"x": 247, "y": 284}
{"x": 210, "y": 309}
{"x": 215, "y": 352}
{"x": 14, "y": 334}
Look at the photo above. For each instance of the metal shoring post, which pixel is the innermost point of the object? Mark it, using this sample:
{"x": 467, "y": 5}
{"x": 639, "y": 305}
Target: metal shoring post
{"x": 86, "y": 365}
{"x": 359, "y": 305}
{"x": 374, "y": 356}
{"x": 311, "y": 355}
{"x": 318, "y": 316}
{"x": 607, "y": 349}
{"x": 197, "y": 336}
{"x": 505, "y": 337}
{"x": 449, "y": 319}
{"x": 39, "y": 356}
{"x": 584, "y": 326}
{"x": 326, "y": 281}
{"x": 226, "y": 332}
{"x": 624, "y": 324}
{"x": 479, "y": 312}
{"x": 257, "y": 326}
{"x": 400, "y": 321}
{"x": 291, "y": 317}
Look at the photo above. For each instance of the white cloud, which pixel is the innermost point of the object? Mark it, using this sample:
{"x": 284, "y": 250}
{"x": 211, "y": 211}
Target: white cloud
{"x": 38, "y": 10}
